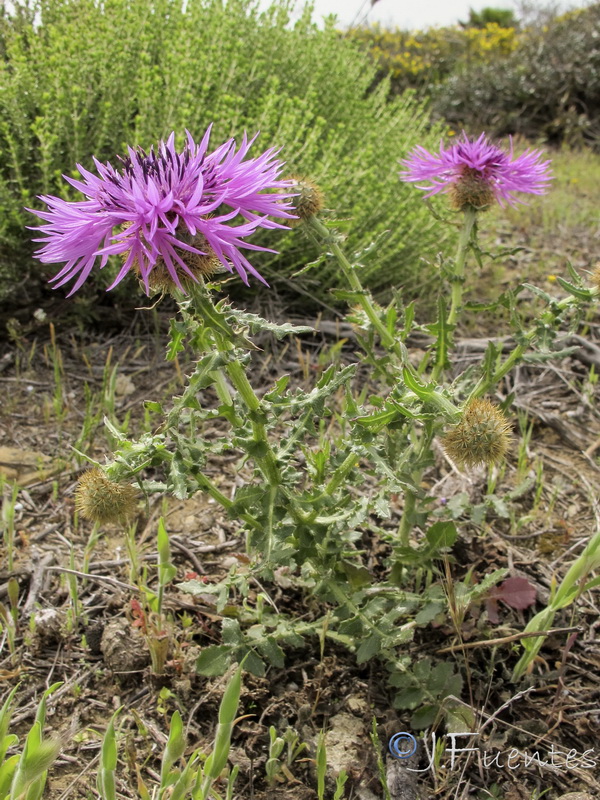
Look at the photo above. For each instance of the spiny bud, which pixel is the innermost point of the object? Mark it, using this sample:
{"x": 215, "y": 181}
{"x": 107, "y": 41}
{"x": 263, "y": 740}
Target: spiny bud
{"x": 102, "y": 500}
{"x": 471, "y": 190}
{"x": 308, "y": 201}
{"x": 481, "y": 437}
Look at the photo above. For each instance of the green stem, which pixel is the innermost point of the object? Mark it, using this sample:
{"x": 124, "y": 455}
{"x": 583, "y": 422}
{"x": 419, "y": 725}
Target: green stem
{"x": 208, "y": 486}
{"x": 458, "y": 282}
{"x": 410, "y": 501}
{"x": 458, "y": 277}
{"x": 221, "y": 387}
{"x": 387, "y": 339}
{"x": 484, "y": 386}
{"x": 270, "y": 518}
{"x": 519, "y": 351}
{"x": 410, "y": 497}
{"x": 242, "y": 384}
{"x": 298, "y": 432}
{"x": 340, "y": 474}
{"x": 266, "y": 462}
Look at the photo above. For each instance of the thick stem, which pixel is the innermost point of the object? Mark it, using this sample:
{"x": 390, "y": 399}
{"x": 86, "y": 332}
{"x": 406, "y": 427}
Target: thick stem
{"x": 221, "y": 387}
{"x": 387, "y": 339}
{"x": 267, "y": 461}
{"x": 410, "y": 501}
{"x": 208, "y": 486}
{"x": 341, "y": 474}
{"x": 242, "y": 384}
{"x": 458, "y": 277}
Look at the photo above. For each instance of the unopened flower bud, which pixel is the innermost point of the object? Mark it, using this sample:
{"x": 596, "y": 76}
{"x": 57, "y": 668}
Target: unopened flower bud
{"x": 481, "y": 437}
{"x": 309, "y": 199}
{"x": 101, "y": 500}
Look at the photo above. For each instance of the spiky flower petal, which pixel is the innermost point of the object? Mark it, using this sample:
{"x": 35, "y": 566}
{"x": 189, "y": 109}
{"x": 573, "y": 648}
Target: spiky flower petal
{"x": 475, "y": 172}
{"x": 308, "y": 200}
{"x": 101, "y": 500}
{"x": 161, "y": 207}
{"x": 481, "y": 437}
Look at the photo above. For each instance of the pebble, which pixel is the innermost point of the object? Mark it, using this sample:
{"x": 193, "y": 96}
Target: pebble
{"x": 576, "y": 796}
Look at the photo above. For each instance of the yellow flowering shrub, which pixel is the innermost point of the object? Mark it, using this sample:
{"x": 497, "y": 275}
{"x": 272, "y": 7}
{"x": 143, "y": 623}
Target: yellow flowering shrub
{"x": 546, "y": 88}
{"x": 415, "y": 58}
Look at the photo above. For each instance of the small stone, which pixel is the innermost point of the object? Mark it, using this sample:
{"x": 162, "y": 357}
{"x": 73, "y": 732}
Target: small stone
{"x": 239, "y": 758}
{"x": 342, "y": 741}
{"x": 183, "y": 688}
{"x": 123, "y": 647}
{"x": 576, "y": 796}
{"x": 357, "y": 705}
{"x": 48, "y": 628}
{"x": 124, "y": 386}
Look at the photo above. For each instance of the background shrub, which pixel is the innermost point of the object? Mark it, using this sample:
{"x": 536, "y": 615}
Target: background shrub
{"x": 548, "y": 87}
{"x": 422, "y": 59}
{"x": 538, "y": 76}
{"x": 79, "y": 77}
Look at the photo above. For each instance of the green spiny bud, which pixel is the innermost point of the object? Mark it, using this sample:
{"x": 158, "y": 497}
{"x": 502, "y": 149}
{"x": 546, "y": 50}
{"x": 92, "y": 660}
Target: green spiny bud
{"x": 481, "y": 437}
{"x": 102, "y": 500}
{"x": 308, "y": 201}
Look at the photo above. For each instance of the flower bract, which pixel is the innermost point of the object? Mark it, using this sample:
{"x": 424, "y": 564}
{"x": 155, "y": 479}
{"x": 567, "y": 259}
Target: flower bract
{"x": 162, "y": 208}
{"x": 477, "y": 172}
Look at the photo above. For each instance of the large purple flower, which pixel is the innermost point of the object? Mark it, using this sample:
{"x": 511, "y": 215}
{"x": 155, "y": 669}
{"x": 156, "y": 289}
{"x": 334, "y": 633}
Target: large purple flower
{"x": 477, "y": 172}
{"x": 163, "y": 211}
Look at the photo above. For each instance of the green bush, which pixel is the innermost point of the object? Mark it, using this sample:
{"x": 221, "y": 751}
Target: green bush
{"x": 548, "y": 88}
{"x": 79, "y": 77}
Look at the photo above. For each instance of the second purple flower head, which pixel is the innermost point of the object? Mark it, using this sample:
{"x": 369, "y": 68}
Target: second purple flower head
{"x": 167, "y": 213}
{"x": 476, "y": 172}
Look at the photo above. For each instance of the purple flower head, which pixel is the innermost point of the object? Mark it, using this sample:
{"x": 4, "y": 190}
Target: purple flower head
{"x": 162, "y": 211}
{"x": 476, "y": 173}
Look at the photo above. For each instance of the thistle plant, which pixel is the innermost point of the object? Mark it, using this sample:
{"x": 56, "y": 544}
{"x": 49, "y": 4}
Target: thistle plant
{"x": 576, "y": 581}
{"x": 304, "y": 506}
{"x": 23, "y": 774}
{"x": 154, "y": 623}
{"x": 180, "y": 778}
{"x": 278, "y": 763}
{"x": 9, "y": 503}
